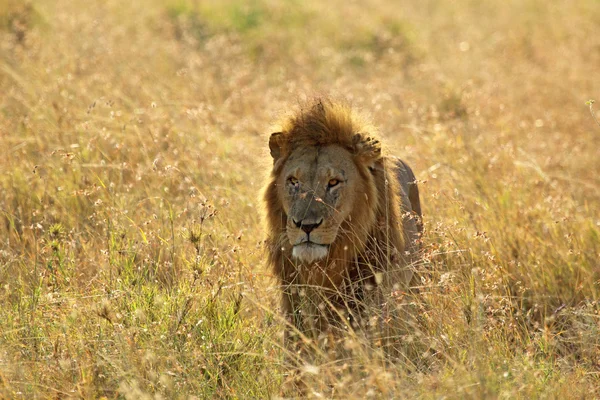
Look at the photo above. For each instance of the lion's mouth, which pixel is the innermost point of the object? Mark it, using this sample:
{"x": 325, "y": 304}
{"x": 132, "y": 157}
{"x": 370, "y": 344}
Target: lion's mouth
{"x": 310, "y": 252}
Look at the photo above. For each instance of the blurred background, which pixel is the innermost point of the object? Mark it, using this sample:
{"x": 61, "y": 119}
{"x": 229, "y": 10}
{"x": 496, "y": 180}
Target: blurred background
{"x": 133, "y": 139}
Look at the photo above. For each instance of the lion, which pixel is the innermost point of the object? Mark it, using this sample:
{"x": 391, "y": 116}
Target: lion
{"x": 342, "y": 216}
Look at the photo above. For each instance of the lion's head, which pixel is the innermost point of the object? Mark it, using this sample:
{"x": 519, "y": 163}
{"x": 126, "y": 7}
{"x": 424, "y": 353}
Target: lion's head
{"x": 330, "y": 205}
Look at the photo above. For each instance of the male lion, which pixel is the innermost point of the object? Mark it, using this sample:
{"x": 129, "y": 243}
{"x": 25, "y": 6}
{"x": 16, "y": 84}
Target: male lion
{"x": 342, "y": 217}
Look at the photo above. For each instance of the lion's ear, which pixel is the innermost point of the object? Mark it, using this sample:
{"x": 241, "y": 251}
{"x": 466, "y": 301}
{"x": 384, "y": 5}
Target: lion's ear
{"x": 276, "y": 145}
{"x": 367, "y": 149}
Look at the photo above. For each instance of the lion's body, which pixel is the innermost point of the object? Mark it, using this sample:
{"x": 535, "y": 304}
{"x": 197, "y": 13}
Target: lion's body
{"x": 341, "y": 215}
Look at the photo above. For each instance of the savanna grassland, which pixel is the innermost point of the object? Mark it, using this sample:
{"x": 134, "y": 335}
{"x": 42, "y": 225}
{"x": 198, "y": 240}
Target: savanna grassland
{"x": 133, "y": 141}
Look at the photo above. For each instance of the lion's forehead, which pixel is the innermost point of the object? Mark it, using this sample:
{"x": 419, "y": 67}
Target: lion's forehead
{"x": 317, "y": 162}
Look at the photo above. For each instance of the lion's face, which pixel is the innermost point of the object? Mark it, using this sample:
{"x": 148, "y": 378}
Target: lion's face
{"x": 317, "y": 187}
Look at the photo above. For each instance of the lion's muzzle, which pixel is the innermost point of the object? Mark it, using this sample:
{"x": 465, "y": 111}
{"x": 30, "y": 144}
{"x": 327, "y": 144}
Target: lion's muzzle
{"x": 305, "y": 249}
{"x": 310, "y": 238}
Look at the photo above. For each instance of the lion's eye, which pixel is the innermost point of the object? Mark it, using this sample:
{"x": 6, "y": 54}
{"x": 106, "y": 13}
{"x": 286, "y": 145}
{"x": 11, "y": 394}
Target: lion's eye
{"x": 293, "y": 181}
{"x": 333, "y": 182}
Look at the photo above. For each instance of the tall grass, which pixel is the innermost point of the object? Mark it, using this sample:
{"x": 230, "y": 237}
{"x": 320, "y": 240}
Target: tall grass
{"x": 134, "y": 144}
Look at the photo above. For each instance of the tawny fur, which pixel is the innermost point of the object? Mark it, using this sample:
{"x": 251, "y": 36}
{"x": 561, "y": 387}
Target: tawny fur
{"x": 372, "y": 242}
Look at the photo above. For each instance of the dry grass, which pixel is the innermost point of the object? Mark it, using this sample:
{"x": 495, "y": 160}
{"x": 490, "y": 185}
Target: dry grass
{"x": 134, "y": 147}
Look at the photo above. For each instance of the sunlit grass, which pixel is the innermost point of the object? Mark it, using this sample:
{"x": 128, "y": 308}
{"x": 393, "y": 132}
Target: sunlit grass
{"x": 134, "y": 145}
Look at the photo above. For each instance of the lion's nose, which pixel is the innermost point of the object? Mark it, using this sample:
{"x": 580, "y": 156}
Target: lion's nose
{"x": 308, "y": 228}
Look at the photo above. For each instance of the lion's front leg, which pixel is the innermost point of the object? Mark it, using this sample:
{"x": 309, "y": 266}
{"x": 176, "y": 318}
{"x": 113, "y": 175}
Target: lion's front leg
{"x": 295, "y": 353}
{"x": 305, "y": 310}
{"x": 291, "y": 312}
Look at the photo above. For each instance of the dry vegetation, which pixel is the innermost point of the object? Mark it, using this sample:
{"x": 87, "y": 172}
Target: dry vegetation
{"x": 134, "y": 144}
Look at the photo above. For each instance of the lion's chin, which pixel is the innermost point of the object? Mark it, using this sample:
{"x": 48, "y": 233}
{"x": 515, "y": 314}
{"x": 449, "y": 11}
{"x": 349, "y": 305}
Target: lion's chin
{"x": 310, "y": 252}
